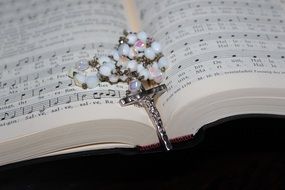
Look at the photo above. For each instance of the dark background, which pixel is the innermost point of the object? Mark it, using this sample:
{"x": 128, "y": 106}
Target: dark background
{"x": 244, "y": 153}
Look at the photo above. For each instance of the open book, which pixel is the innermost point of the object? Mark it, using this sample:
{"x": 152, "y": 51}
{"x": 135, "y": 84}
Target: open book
{"x": 227, "y": 58}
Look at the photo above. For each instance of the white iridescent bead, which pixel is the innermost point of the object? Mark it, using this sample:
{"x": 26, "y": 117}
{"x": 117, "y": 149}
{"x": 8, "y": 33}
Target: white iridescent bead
{"x": 144, "y": 73}
{"x": 156, "y": 47}
{"x": 132, "y": 65}
{"x": 110, "y": 65}
{"x": 92, "y": 81}
{"x": 142, "y": 36}
{"x": 80, "y": 78}
{"x": 103, "y": 59}
{"x": 124, "y": 49}
{"x": 163, "y": 63}
{"x": 132, "y": 38}
{"x": 149, "y": 53}
{"x": 140, "y": 67}
{"x": 114, "y": 78}
{"x": 134, "y": 86}
{"x": 105, "y": 70}
{"x": 82, "y": 65}
{"x": 116, "y": 55}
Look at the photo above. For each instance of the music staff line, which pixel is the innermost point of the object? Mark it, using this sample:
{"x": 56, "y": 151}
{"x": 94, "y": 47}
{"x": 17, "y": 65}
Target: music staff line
{"x": 39, "y": 91}
{"x": 202, "y": 5}
{"x": 53, "y": 54}
{"x": 225, "y": 37}
{"x": 61, "y": 100}
{"x": 226, "y": 20}
{"x": 218, "y": 55}
{"x": 34, "y": 76}
{"x": 43, "y": 12}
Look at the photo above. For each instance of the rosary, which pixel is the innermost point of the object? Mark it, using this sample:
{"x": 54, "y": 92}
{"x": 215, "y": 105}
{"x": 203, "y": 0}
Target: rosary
{"x": 138, "y": 61}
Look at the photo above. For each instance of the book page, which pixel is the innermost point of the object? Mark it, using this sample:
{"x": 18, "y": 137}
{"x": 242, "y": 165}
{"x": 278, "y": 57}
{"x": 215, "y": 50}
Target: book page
{"x": 216, "y": 46}
{"x": 39, "y": 42}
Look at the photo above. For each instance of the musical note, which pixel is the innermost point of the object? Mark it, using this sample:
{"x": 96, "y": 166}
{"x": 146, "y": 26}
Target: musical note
{"x": 69, "y": 100}
{"x": 14, "y": 115}
{"x": 59, "y": 84}
{"x": 42, "y": 109}
{"x": 37, "y": 76}
{"x": 111, "y": 93}
{"x": 4, "y": 84}
{"x": 97, "y": 96}
{"x": 5, "y": 115}
{"x": 41, "y": 90}
{"x": 50, "y": 71}
{"x": 13, "y": 84}
{"x": 65, "y": 99}
{"x": 31, "y": 110}
{"x": 54, "y": 54}
{"x": 22, "y": 96}
{"x": 56, "y": 101}
{"x": 7, "y": 100}
{"x": 83, "y": 96}
{"x": 70, "y": 83}
{"x": 21, "y": 61}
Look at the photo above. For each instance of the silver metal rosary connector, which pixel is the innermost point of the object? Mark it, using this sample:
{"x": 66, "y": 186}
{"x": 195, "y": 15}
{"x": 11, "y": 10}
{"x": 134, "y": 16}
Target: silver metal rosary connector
{"x": 146, "y": 99}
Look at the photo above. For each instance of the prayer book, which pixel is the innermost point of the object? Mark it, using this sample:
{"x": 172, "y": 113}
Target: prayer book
{"x": 227, "y": 58}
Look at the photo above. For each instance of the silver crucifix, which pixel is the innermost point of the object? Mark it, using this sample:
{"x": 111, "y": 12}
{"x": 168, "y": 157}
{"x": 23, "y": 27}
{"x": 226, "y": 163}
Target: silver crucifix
{"x": 146, "y": 99}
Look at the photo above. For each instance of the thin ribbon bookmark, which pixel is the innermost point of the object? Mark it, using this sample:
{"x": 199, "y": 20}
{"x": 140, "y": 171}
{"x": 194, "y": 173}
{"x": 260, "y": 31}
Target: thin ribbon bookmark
{"x": 136, "y": 60}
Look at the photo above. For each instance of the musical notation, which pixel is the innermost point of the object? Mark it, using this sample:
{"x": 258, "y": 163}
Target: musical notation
{"x": 41, "y": 45}
{"x": 52, "y": 54}
{"x": 60, "y": 100}
{"x": 44, "y": 9}
{"x": 206, "y": 39}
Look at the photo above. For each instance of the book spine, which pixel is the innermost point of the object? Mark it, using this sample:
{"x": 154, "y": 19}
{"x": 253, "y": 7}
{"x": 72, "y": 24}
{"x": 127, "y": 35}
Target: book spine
{"x": 173, "y": 141}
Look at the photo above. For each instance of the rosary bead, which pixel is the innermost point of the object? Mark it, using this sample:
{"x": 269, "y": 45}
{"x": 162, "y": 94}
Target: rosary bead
{"x": 82, "y": 65}
{"x": 80, "y": 78}
{"x": 144, "y": 73}
{"x": 139, "y": 45}
{"x": 92, "y": 81}
{"x": 140, "y": 67}
{"x": 116, "y": 55}
{"x": 132, "y": 65}
{"x": 156, "y": 47}
{"x": 149, "y": 53}
{"x": 134, "y": 86}
{"x": 105, "y": 70}
{"x": 104, "y": 59}
{"x": 142, "y": 36}
{"x": 163, "y": 63}
{"x": 124, "y": 49}
{"x": 155, "y": 74}
{"x": 114, "y": 78}
{"x": 110, "y": 65}
{"x": 132, "y": 38}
